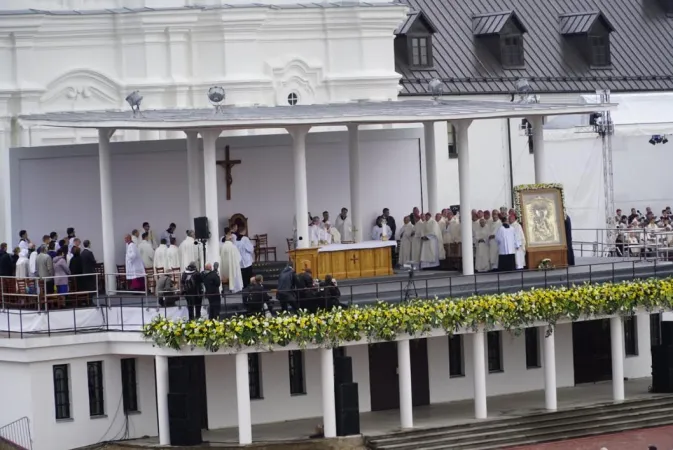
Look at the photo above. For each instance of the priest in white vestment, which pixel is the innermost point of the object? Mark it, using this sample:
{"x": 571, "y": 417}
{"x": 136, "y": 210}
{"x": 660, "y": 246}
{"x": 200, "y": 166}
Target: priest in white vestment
{"x": 520, "y": 255}
{"x": 344, "y": 226}
{"x": 191, "y": 251}
{"x": 146, "y": 251}
{"x": 453, "y": 228}
{"x": 507, "y": 245}
{"x": 135, "y": 270}
{"x": 405, "y": 235}
{"x": 230, "y": 266}
{"x": 135, "y": 237}
{"x": 482, "y": 261}
{"x": 314, "y": 232}
{"x": 430, "y": 248}
{"x": 22, "y": 264}
{"x": 150, "y": 236}
{"x": 417, "y": 240}
{"x": 160, "y": 259}
{"x": 493, "y": 244}
{"x": 381, "y": 231}
{"x": 332, "y": 234}
{"x": 173, "y": 256}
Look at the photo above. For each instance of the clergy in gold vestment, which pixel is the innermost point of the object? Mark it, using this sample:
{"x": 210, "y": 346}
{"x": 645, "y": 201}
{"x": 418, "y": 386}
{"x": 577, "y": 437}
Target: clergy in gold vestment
{"x": 431, "y": 251}
{"x": 482, "y": 262}
{"x": 416, "y": 241}
{"x": 405, "y": 235}
{"x": 493, "y": 245}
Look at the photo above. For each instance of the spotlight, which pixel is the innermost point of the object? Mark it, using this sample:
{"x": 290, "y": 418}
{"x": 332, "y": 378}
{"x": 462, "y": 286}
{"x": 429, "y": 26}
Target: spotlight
{"x": 652, "y": 141}
{"x": 664, "y": 139}
{"x": 134, "y": 99}
{"x": 436, "y": 88}
{"x": 525, "y": 91}
{"x": 216, "y": 95}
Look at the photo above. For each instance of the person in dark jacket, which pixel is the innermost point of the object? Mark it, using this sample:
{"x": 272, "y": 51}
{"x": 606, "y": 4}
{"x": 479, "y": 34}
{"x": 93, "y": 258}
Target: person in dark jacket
{"x": 256, "y": 296}
{"x": 76, "y": 268}
{"x": 308, "y": 296}
{"x": 88, "y": 284}
{"x": 331, "y": 293}
{"x": 212, "y": 282}
{"x": 192, "y": 283}
{"x": 6, "y": 267}
{"x": 287, "y": 285}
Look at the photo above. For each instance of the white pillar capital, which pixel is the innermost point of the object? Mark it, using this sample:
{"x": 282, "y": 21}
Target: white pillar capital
{"x": 354, "y": 178}
{"x": 462, "y": 142}
{"x": 298, "y": 131}
{"x": 243, "y": 399}
{"x": 617, "y": 347}
{"x": 161, "y": 368}
{"x": 404, "y": 376}
{"x": 549, "y": 362}
{"x": 210, "y": 192}
{"x": 328, "y": 400}
{"x": 107, "y": 215}
{"x": 190, "y": 133}
{"x": 210, "y": 134}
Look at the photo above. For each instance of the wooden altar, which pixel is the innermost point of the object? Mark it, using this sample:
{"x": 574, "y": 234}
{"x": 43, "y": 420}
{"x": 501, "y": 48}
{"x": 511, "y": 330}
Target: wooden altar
{"x": 346, "y": 261}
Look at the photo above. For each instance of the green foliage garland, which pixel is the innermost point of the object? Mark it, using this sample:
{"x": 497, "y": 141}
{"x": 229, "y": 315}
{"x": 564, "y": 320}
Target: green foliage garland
{"x": 385, "y": 321}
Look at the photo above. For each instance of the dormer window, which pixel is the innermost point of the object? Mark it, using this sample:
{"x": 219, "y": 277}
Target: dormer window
{"x": 502, "y": 34}
{"x": 413, "y": 41}
{"x": 589, "y": 32}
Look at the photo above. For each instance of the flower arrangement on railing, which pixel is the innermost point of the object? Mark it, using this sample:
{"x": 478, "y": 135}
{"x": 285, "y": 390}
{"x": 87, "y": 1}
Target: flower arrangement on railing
{"x": 530, "y": 187}
{"x": 385, "y": 321}
{"x": 545, "y": 264}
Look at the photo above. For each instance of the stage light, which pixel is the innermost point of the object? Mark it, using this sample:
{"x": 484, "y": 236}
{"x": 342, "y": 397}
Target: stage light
{"x": 134, "y": 99}
{"x": 216, "y": 95}
{"x": 652, "y": 141}
{"x": 525, "y": 91}
{"x": 664, "y": 139}
{"x": 436, "y": 88}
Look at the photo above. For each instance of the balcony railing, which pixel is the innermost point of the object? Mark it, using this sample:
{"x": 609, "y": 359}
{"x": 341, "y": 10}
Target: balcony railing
{"x": 16, "y": 435}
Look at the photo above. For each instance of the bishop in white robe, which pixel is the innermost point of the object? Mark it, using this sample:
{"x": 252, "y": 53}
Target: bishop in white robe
{"x": 507, "y": 245}
{"x": 417, "y": 241}
{"x": 520, "y": 254}
{"x": 493, "y": 244}
{"x": 405, "y": 235}
{"x": 146, "y": 252}
{"x": 344, "y": 226}
{"x": 482, "y": 262}
{"x": 160, "y": 259}
{"x": 173, "y": 256}
{"x": 191, "y": 251}
{"x": 230, "y": 266}
{"x": 22, "y": 264}
{"x": 430, "y": 249}
{"x": 314, "y": 232}
{"x": 135, "y": 270}
{"x": 332, "y": 235}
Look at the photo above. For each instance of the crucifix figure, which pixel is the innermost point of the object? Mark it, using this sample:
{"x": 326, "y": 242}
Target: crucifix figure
{"x": 228, "y": 164}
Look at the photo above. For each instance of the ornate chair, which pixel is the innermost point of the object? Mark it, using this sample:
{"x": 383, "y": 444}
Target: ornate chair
{"x": 262, "y": 248}
{"x": 239, "y": 220}
{"x": 100, "y": 275}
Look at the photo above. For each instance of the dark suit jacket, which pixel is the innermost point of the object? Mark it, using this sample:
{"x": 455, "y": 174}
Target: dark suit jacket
{"x": 88, "y": 262}
{"x": 5, "y": 264}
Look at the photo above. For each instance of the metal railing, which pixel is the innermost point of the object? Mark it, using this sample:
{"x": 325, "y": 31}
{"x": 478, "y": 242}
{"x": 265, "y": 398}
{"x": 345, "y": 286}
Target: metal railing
{"x": 645, "y": 243}
{"x": 17, "y": 434}
{"x": 130, "y": 312}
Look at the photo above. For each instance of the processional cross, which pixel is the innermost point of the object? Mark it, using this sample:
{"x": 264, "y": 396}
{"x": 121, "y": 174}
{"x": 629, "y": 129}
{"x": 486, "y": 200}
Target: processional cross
{"x": 228, "y": 164}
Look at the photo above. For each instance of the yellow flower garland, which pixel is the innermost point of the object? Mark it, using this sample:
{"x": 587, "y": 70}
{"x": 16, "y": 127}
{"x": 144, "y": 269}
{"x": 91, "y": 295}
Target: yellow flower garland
{"x": 385, "y": 321}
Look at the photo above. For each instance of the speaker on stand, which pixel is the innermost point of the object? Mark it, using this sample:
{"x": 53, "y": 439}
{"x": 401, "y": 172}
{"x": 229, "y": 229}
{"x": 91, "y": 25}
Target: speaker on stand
{"x": 662, "y": 369}
{"x": 346, "y": 397}
{"x": 184, "y": 414}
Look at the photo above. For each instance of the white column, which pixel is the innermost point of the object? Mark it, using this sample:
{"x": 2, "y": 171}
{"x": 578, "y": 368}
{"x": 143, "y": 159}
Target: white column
{"x": 298, "y": 134}
{"x": 537, "y": 122}
{"x": 194, "y": 182}
{"x": 6, "y": 234}
{"x": 431, "y": 167}
{"x": 354, "y": 171}
{"x": 462, "y": 142}
{"x": 617, "y": 345}
{"x": 107, "y": 217}
{"x": 549, "y": 356}
{"x": 210, "y": 193}
{"x": 243, "y": 399}
{"x": 404, "y": 376}
{"x": 479, "y": 365}
{"x": 161, "y": 367}
{"x": 328, "y": 402}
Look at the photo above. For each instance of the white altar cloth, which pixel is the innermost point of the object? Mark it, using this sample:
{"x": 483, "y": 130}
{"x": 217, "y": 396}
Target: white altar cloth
{"x": 357, "y": 246}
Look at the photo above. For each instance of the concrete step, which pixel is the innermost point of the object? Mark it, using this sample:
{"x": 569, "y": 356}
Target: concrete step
{"x": 532, "y": 429}
{"x": 540, "y": 427}
{"x": 543, "y": 434}
{"x": 539, "y": 417}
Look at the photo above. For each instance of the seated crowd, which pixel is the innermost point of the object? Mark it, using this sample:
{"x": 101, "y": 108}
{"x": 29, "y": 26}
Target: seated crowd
{"x": 639, "y": 234}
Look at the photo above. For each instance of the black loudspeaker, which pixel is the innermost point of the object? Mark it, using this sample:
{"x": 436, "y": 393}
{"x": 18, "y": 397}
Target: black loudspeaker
{"x": 201, "y": 230}
{"x": 185, "y": 428}
{"x": 347, "y": 409}
{"x": 343, "y": 370}
{"x": 662, "y": 369}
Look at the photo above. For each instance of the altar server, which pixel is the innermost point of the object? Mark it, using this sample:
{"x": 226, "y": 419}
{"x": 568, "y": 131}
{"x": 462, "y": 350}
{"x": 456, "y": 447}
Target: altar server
{"x": 190, "y": 251}
{"x": 381, "y": 231}
{"x": 520, "y": 255}
{"x": 507, "y": 245}
{"x": 160, "y": 259}
{"x": 146, "y": 251}
{"x": 247, "y": 251}
{"x": 173, "y": 256}
{"x": 135, "y": 270}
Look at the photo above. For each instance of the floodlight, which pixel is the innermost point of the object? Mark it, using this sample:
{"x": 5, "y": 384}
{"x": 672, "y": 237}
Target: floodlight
{"x": 436, "y": 88}
{"x": 216, "y": 95}
{"x": 664, "y": 139}
{"x": 525, "y": 91}
{"x": 134, "y": 99}
{"x": 652, "y": 141}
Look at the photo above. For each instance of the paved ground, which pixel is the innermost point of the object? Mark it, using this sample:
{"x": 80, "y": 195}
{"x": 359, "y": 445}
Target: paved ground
{"x": 661, "y": 438}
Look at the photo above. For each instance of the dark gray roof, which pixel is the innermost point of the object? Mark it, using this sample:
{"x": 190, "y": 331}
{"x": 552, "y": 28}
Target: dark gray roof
{"x": 321, "y": 114}
{"x": 582, "y": 22}
{"x": 412, "y": 17}
{"x": 641, "y": 48}
{"x": 492, "y": 23}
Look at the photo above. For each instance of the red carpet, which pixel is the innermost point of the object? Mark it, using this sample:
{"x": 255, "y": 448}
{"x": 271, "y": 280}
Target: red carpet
{"x": 661, "y": 437}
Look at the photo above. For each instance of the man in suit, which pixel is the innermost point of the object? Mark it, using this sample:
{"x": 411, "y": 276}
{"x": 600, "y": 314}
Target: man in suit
{"x": 88, "y": 284}
{"x": 45, "y": 269}
{"x": 5, "y": 261}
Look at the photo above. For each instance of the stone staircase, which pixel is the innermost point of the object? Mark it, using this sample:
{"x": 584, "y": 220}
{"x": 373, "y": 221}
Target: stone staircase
{"x": 533, "y": 429}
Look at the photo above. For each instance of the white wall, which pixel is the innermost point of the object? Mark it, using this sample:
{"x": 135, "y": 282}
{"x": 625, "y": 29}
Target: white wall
{"x": 16, "y": 393}
{"x": 58, "y": 187}
{"x": 640, "y": 365}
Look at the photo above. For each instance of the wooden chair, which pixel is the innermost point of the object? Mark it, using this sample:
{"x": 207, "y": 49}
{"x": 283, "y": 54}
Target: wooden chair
{"x": 176, "y": 276}
{"x": 262, "y": 248}
{"x": 100, "y": 275}
{"x": 151, "y": 281}
{"x": 122, "y": 284}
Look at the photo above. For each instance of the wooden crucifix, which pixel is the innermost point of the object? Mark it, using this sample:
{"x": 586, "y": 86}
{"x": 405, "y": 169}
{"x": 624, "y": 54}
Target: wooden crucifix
{"x": 228, "y": 164}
